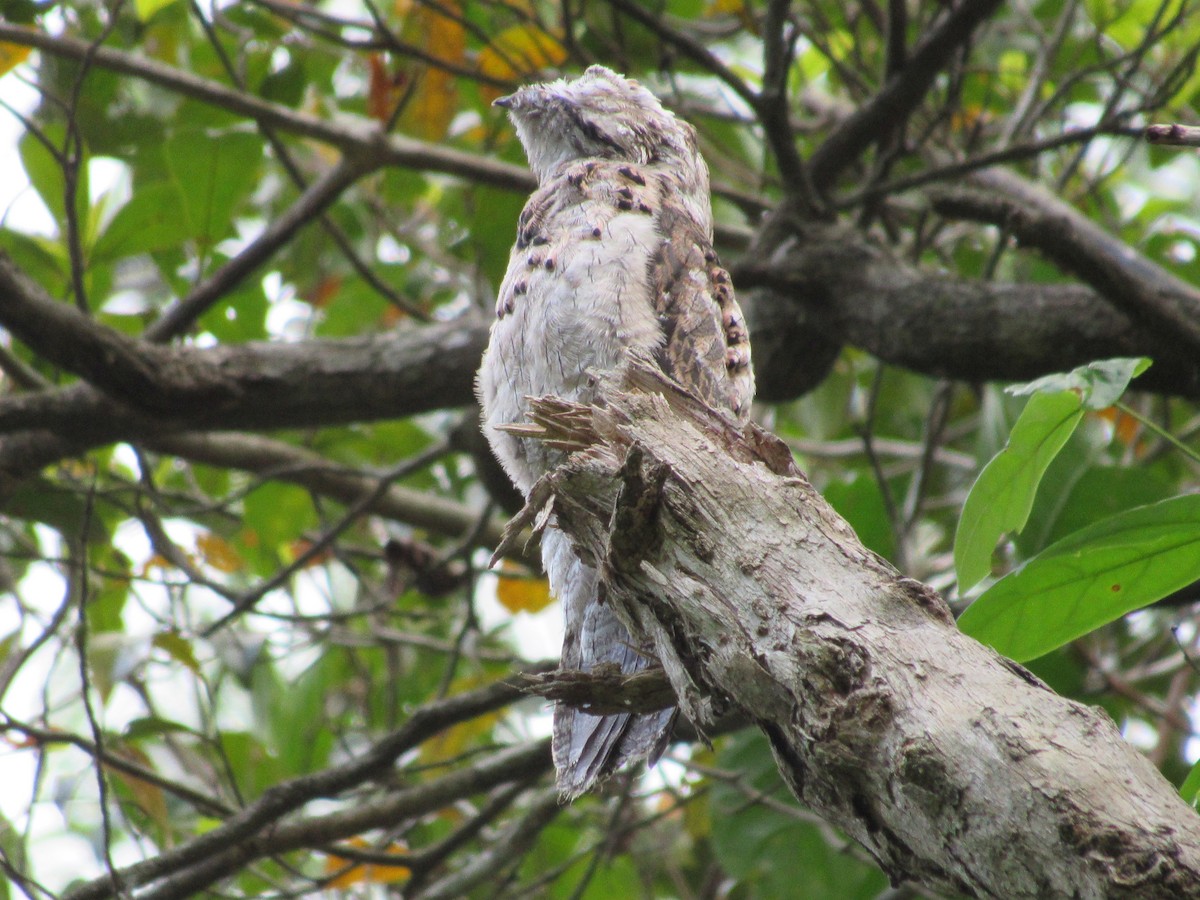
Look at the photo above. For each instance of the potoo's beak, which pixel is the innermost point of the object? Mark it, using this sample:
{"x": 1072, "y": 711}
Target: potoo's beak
{"x": 504, "y": 102}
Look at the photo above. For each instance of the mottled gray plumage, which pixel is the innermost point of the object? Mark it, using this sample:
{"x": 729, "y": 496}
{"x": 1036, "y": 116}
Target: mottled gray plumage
{"x": 613, "y": 253}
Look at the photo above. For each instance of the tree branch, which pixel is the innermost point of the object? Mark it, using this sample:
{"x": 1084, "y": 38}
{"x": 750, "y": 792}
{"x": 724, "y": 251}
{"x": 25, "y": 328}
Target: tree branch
{"x": 950, "y": 171}
{"x": 831, "y": 284}
{"x": 151, "y": 378}
{"x": 1037, "y": 218}
{"x": 310, "y": 206}
{"x": 1173, "y": 135}
{"x": 807, "y": 284}
{"x": 900, "y": 94}
{"x": 256, "y": 385}
{"x": 350, "y": 134}
{"x": 510, "y": 765}
{"x": 248, "y": 834}
{"x": 952, "y": 766}
{"x": 507, "y": 851}
{"x": 779, "y": 41}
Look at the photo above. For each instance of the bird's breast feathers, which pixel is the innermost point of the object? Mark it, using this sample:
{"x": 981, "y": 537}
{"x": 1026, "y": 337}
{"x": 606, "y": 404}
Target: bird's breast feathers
{"x": 610, "y": 258}
{"x": 576, "y": 294}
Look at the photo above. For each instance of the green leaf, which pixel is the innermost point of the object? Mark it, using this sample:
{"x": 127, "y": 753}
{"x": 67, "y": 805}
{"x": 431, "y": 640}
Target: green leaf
{"x": 19, "y": 12}
{"x": 240, "y": 316}
{"x": 1190, "y": 789}
{"x": 46, "y": 175}
{"x": 66, "y": 511}
{"x": 615, "y": 877}
{"x": 178, "y": 648}
{"x": 215, "y": 173}
{"x": 1090, "y": 578}
{"x": 8, "y": 643}
{"x": 150, "y": 727}
{"x": 255, "y": 767}
{"x": 13, "y": 850}
{"x": 274, "y": 515}
{"x": 150, "y": 221}
{"x": 1100, "y": 384}
{"x": 1073, "y": 496}
{"x": 40, "y": 258}
{"x": 106, "y": 609}
{"x": 146, "y": 8}
{"x": 1002, "y": 496}
{"x": 770, "y": 852}
{"x": 860, "y": 502}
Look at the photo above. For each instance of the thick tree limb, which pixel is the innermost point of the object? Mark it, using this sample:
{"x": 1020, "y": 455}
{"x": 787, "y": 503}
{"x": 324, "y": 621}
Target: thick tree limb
{"x": 1037, "y": 218}
{"x": 952, "y": 766}
{"x": 150, "y": 390}
{"x": 831, "y": 284}
{"x": 150, "y": 377}
{"x": 822, "y": 287}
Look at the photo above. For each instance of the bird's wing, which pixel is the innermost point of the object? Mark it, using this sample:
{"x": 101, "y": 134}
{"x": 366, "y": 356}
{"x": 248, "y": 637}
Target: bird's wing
{"x": 706, "y": 346}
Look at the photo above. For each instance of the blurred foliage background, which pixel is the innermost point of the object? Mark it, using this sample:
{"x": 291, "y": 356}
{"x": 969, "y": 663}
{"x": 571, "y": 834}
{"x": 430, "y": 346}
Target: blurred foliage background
{"x": 249, "y": 643}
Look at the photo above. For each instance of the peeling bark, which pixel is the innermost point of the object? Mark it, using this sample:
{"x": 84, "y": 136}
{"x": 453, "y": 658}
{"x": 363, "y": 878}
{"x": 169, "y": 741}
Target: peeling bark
{"x": 954, "y": 767}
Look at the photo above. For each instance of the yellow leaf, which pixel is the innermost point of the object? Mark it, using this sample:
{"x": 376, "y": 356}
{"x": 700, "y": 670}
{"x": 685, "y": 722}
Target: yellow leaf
{"x": 433, "y": 105}
{"x": 432, "y": 91}
{"x": 178, "y": 648}
{"x": 457, "y": 739}
{"x": 365, "y": 873}
{"x": 156, "y": 562}
{"x": 523, "y": 594}
{"x": 11, "y": 56}
{"x": 148, "y": 796}
{"x": 218, "y": 552}
{"x": 517, "y": 53}
{"x": 737, "y": 8}
{"x": 969, "y": 117}
{"x": 146, "y": 8}
{"x": 724, "y": 7}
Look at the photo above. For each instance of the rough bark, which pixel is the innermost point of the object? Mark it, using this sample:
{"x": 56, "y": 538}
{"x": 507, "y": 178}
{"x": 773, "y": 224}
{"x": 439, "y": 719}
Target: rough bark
{"x": 953, "y": 767}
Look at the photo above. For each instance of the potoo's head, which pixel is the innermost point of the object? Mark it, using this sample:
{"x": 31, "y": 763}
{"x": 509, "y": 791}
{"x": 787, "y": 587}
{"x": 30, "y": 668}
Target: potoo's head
{"x": 600, "y": 115}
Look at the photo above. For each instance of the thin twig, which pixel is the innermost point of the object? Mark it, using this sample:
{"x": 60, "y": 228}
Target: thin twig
{"x": 1173, "y": 135}
{"x": 901, "y": 94}
{"x": 287, "y": 796}
{"x": 247, "y": 600}
{"x": 311, "y": 204}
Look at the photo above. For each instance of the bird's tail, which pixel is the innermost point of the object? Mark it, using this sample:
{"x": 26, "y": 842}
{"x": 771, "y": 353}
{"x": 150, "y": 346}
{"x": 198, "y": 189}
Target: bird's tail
{"x": 589, "y": 748}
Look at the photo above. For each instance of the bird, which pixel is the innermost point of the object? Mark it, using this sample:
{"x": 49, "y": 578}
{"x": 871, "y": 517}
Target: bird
{"x": 613, "y": 257}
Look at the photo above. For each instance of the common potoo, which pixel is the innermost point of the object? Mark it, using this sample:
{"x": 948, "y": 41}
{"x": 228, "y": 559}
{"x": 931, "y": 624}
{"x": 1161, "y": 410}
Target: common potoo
{"x": 613, "y": 253}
